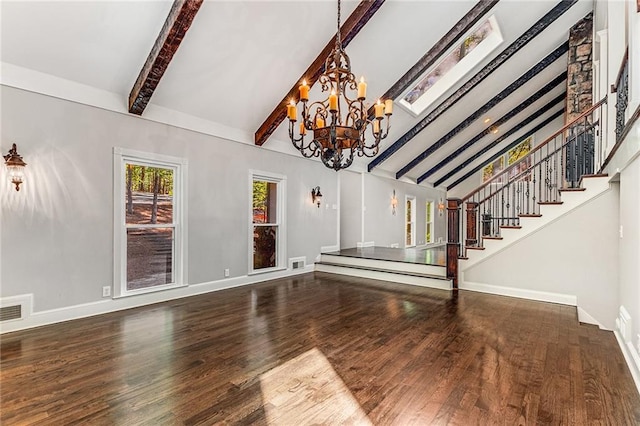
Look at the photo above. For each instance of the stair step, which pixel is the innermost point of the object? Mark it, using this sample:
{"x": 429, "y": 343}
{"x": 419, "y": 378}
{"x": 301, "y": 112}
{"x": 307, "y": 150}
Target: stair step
{"x": 387, "y": 271}
{"x": 474, "y": 248}
{"x": 463, "y": 258}
{"x": 600, "y": 175}
{"x": 492, "y": 238}
{"x": 382, "y": 264}
{"x": 572, "y": 189}
{"x": 530, "y": 215}
{"x": 440, "y": 282}
{"x": 550, "y": 203}
{"x": 510, "y": 226}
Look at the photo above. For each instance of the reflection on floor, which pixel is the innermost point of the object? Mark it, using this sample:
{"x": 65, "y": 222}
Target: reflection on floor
{"x": 307, "y": 387}
{"x": 436, "y": 255}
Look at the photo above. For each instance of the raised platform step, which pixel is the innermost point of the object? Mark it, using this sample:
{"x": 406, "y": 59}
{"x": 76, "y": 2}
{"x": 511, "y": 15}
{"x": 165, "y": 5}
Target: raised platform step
{"x": 402, "y": 277}
{"x": 387, "y": 265}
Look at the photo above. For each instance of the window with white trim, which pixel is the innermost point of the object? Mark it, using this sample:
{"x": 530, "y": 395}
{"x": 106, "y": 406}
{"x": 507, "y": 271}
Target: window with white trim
{"x": 267, "y": 231}
{"x": 148, "y": 222}
{"x": 429, "y": 222}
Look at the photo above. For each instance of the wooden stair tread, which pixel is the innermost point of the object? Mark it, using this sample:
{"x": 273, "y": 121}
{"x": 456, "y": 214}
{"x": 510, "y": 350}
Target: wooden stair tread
{"x": 572, "y": 189}
{"x": 530, "y": 215}
{"x": 549, "y": 203}
{"x": 474, "y": 248}
{"x": 487, "y": 237}
{"x": 510, "y": 226}
{"x": 389, "y": 271}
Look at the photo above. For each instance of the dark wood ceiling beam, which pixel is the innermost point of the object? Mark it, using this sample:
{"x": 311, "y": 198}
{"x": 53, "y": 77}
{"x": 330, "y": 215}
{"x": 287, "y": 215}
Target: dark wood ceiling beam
{"x": 352, "y": 26}
{"x": 470, "y": 84}
{"x": 445, "y": 43}
{"x": 173, "y": 31}
{"x": 524, "y": 78}
{"x": 513, "y": 144}
{"x": 509, "y": 133}
{"x": 499, "y": 122}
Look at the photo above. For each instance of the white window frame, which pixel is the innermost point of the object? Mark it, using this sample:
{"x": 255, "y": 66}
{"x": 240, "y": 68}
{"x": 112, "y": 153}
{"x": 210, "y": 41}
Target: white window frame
{"x": 429, "y": 208}
{"x": 459, "y": 71}
{"x": 121, "y": 157}
{"x": 412, "y": 220}
{"x": 281, "y": 240}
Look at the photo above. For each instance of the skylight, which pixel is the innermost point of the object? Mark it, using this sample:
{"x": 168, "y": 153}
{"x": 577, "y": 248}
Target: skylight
{"x": 467, "y": 54}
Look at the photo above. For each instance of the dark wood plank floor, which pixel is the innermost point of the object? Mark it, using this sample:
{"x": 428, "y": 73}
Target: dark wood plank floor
{"x": 436, "y": 255}
{"x": 320, "y": 349}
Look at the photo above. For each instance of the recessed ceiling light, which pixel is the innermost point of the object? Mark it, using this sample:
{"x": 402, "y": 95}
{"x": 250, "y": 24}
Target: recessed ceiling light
{"x": 486, "y": 120}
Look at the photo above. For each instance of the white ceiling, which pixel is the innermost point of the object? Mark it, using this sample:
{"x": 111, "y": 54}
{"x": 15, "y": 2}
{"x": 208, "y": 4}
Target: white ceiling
{"x": 241, "y": 57}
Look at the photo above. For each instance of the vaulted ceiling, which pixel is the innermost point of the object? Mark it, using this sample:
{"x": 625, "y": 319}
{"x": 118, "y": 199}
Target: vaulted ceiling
{"x": 239, "y": 59}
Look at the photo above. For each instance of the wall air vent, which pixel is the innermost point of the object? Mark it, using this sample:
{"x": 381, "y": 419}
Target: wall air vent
{"x": 10, "y": 312}
{"x": 297, "y": 262}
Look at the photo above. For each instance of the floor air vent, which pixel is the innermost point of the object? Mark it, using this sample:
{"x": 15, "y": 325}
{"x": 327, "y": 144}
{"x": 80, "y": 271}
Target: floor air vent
{"x": 10, "y": 312}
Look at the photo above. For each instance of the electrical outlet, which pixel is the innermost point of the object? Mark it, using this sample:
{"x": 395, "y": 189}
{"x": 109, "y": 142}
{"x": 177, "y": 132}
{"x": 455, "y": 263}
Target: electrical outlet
{"x": 226, "y": 273}
{"x": 106, "y": 291}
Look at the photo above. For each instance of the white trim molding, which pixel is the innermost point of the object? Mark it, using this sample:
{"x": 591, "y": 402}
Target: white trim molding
{"x": 625, "y": 341}
{"x": 38, "y": 319}
{"x": 521, "y": 293}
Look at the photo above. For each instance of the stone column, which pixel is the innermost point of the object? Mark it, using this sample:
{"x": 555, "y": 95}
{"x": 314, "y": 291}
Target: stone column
{"x": 579, "y": 69}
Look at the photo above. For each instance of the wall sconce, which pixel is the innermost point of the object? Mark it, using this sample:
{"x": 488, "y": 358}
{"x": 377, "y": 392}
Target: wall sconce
{"x": 15, "y": 166}
{"x": 441, "y": 207}
{"x": 394, "y": 203}
{"x": 316, "y": 196}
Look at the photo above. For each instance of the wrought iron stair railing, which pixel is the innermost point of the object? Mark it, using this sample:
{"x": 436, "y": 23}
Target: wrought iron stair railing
{"x": 554, "y": 166}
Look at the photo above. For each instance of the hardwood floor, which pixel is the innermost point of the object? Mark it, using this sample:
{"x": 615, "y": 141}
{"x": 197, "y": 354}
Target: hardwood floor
{"x": 320, "y": 349}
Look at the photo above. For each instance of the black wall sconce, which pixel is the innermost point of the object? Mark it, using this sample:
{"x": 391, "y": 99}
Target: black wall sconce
{"x": 316, "y": 196}
{"x": 15, "y": 166}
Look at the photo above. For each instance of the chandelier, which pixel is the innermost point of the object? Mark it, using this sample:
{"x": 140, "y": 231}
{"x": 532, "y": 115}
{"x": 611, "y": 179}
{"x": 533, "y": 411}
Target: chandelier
{"x": 338, "y": 123}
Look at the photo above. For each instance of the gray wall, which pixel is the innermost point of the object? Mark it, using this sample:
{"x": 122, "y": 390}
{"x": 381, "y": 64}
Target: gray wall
{"x": 575, "y": 255}
{"x": 56, "y": 233}
{"x": 382, "y": 227}
{"x": 350, "y": 208}
{"x": 629, "y": 244}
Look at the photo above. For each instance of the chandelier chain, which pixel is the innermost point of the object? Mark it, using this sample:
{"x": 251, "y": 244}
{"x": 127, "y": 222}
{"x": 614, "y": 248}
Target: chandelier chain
{"x": 338, "y": 37}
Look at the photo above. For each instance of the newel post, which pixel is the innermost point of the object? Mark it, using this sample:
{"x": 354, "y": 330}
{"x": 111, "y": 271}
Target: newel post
{"x": 453, "y": 239}
{"x": 472, "y": 222}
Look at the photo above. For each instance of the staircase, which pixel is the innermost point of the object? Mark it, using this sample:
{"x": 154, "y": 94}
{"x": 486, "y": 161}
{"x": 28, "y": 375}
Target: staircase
{"x": 556, "y": 177}
{"x": 590, "y": 187}
{"x": 386, "y": 270}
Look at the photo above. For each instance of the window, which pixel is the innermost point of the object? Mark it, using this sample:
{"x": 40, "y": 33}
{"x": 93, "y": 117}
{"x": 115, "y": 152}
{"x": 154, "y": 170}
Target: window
{"x": 267, "y": 230}
{"x": 511, "y": 157}
{"x": 468, "y": 53}
{"x": 429, "y": 223}
{"x": 148, "y": 230}
{"x": 410, "y": 240}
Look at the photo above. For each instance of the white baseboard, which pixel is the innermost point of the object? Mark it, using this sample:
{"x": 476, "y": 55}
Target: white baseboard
{"x": 631, "y": 357}
{"x": 363, "y": 244}
{"x": 542, "y": 296}
{"x": 329, "y": 249}
{"x": 37, "y": 319}
{"x": 583, "y": 316}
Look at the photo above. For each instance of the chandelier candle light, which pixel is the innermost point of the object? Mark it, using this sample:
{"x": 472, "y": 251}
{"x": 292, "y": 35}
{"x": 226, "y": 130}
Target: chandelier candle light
{"x": 338, "y": 123}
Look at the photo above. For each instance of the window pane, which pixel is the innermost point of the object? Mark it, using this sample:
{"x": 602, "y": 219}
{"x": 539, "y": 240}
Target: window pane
{"x": 429, "y": 204}
{"x": 149, "y": 257}
{"x": 265, "y": 198}
{"x": 264, "y": 246}
{"x": 408, "y": 234}
{"x": 428, "y": 236}
{"x": 148, "y": 194}
{"x": 408, "y": 210}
